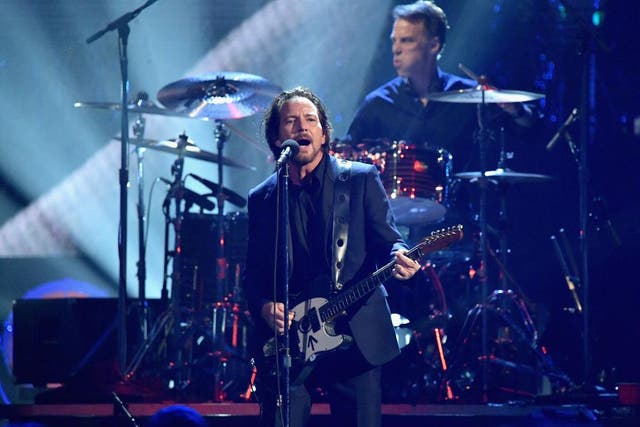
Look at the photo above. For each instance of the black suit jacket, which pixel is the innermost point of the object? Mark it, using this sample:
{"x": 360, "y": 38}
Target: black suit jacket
{"x": 373, "y": 237}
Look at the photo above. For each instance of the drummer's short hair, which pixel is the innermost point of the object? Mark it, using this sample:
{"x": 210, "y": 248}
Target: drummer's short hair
{"x": 271, "y": 121}
{"x": 434, "y": 18}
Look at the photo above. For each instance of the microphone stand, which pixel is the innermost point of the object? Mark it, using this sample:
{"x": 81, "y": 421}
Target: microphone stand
{"x": 122, "y": 25}
{"x": 586, "y": 49}
{"x": 283, "y": 245}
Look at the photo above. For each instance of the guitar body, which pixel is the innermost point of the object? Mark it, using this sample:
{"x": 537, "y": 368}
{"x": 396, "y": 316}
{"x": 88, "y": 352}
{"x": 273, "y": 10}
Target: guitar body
{"x": 312, "y": 330}
{"x": 313, "y": 334}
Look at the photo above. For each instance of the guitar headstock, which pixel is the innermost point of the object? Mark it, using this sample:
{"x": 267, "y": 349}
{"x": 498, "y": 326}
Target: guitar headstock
{"x": 440, "y": 239}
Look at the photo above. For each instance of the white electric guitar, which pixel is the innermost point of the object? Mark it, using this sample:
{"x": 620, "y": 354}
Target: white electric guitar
{"x": 313, "y": 323}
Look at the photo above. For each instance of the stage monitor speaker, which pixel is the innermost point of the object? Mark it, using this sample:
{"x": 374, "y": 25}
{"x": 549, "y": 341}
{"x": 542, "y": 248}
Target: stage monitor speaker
{"x": 57, "y": 339}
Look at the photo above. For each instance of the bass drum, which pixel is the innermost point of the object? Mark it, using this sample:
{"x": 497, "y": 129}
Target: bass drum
{"x": 198, "y": 285}
{"x": 218, "y": 330}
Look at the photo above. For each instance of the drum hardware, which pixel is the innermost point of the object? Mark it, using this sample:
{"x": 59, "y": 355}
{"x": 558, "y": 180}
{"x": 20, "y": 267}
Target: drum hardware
{"x": 213, "y": 97}
{"x": 218, "y": 96}
{"x": 417, "y": 374}
{"x": 224, "y": 96}
{"x": 506, "y": 176}
{"x": 484, "y": 94}
{"x": 133, "y": 107}
{"x": 517, "y": 361}
{"x": 481, "y": 95}
{"x": 190, "y": 150}
{"x": 140, "y": 106}
{"x": 187, "y": 296}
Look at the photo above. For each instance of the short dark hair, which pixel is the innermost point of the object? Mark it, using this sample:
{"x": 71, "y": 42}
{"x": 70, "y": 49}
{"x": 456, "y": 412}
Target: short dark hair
{"x": 271, "y": 120}
{"x": 434, "y": 18}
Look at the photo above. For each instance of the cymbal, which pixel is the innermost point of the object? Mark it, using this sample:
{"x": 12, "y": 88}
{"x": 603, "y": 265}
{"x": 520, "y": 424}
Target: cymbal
{"x": 414, "y": 211}
{"x": 191, "y": 150}
{"x": 504, "y": 175}
{"x": 222, "y": 95}
{"x": 148, "y": 108}
{"x": 483, "y": 93}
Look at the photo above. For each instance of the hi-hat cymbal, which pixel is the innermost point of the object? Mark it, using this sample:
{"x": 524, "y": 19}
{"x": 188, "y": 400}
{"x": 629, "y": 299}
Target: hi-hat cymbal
{"x": 483, "y": 93}
{"x": 190, "y": 150}
{"x": 504, "y": 175}
{"x": 147, "y": 108}
{"x": 222, "y": 95}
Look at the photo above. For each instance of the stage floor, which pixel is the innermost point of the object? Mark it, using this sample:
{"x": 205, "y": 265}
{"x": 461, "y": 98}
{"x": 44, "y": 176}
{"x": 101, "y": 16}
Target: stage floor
{"x": 405, "y": 415}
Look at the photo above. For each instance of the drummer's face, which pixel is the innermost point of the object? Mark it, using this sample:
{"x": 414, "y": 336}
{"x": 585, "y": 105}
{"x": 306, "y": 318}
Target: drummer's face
{"x": 413, "y": 50}
{"x": 299, "y": 120}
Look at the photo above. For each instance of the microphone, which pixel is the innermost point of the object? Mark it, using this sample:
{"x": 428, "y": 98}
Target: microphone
{"x": 229, "y": 195}
{"x": 563, "y": 128}
{"x": 190, "y": 197}
{"x": 289, "y": 149}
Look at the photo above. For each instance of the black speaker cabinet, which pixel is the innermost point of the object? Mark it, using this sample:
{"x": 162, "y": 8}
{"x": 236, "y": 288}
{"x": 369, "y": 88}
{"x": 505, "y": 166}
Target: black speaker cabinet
{"x": 56, "y": 339}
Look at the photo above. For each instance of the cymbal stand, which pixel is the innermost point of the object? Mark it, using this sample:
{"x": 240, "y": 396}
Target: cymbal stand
{"x": 138, "y": 132}
{"x": 182, "y": 358}
{"x": 176, "y": 193}
{"x": 173, "y": 193}
{"x": 482, "y": 140}
{"x": 221, "y": 134}
{"x": 502, "y": 216}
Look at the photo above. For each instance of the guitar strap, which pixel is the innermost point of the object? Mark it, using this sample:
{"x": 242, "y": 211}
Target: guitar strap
{"x": 341, "y": 211}
{"x": 340, "y": 236}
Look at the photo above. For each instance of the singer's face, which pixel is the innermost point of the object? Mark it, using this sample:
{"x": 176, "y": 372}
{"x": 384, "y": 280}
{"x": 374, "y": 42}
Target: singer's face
{"x": 299, "y": 120}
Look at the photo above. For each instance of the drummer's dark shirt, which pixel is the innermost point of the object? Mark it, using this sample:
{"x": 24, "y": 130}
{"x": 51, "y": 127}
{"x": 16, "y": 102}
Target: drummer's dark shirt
{"x": 394, "y": 112}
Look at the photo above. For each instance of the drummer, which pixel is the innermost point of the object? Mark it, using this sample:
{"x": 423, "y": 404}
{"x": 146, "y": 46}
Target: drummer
{"x": 400, "y": 110}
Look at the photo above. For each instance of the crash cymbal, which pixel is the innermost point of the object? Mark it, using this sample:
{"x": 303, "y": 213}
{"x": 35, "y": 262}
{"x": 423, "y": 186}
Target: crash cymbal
{"x": 222, "y": 95}
{"x": 483, "y": 93}
{"x": 504, "y": 175}
{"x": 190, "y": 150}
{"x": 147, "y": 108}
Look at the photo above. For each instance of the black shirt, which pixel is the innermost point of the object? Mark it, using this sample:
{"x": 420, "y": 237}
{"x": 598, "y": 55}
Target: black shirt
{"x": 309, "y": 215}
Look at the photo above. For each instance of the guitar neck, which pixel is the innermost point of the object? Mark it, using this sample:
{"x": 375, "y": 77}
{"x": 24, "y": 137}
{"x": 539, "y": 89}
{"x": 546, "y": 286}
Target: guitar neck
{"x": 345, "y": 299}
{"x": 355, "y": 293}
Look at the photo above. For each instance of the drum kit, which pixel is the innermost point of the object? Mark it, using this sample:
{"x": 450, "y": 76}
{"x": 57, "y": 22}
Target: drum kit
{"x": 420, "y": 184}
{"x": 199, "y": 346}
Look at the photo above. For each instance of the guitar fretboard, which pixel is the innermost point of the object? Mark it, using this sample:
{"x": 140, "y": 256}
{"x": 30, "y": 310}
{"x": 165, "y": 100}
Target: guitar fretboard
{"x": 345, "y": 299}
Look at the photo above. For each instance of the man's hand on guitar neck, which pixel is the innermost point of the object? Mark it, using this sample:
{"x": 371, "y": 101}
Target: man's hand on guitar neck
{"x": 405, "y": 267}
{"x": 273, "y": 314}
